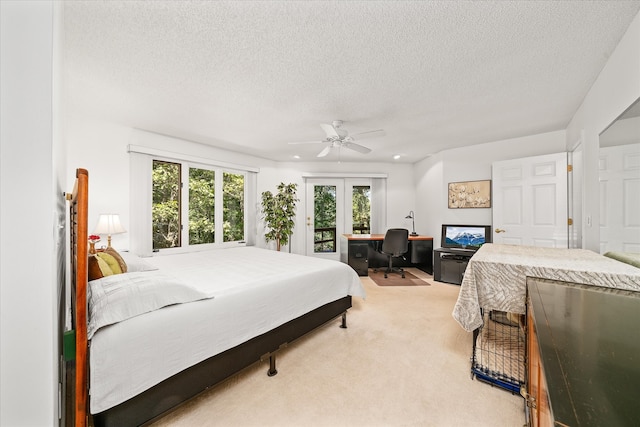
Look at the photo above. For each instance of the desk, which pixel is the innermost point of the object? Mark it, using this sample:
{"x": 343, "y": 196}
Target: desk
{"x": 362, "y": 251}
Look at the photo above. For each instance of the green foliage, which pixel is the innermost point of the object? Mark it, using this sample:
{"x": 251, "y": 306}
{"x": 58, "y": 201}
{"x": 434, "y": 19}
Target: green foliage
{"x": 279, "y": 212}
{"x": 324, "y": 206}
{"x": 165, "y": 209}
{"x": 361, "y": 208}
{"x": 201, "y": 206}
{"x": 233, "y": 207}
{"x": 324, "y": 214}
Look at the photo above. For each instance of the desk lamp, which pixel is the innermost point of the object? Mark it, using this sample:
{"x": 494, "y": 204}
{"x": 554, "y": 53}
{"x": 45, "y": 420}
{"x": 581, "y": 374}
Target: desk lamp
{"x": 411, "y": 216}
{"x": 109, "y": 224}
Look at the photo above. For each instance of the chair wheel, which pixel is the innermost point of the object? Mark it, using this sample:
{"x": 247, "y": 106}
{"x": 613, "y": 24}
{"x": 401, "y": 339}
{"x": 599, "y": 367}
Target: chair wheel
{"x": 385, "y": 275}
{"x": 403, "y": 275}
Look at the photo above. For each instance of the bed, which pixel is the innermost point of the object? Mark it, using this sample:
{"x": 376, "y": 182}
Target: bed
{"x": 219, "y": 311}
{"x": 495, "y": 278}
{"x": 492, "y": 300}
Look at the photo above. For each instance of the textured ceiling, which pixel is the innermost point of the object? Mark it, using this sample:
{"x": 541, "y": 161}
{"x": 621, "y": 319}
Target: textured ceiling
{"x": 254, "y": 76}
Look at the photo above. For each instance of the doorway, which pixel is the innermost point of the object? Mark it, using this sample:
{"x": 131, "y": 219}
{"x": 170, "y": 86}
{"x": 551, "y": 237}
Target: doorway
{"x": 335, "y": 206}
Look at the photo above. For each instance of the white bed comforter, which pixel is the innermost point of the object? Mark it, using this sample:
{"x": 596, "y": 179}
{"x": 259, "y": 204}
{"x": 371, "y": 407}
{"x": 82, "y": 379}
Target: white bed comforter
{"x": 249, "y": 292}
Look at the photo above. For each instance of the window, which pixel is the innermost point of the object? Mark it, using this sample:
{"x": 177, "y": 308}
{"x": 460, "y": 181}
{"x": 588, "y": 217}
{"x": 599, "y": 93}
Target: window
{"x": 324, "y": 218}
{"x": 361, "y": 209}
{"x": 202, "y": 204}
{"x": 215, "y": 210}
{"x": 233, "y": 200}
{"x": 166, "y": 205}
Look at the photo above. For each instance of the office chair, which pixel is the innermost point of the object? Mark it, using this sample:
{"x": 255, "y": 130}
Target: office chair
{"x": 395, "y": 244}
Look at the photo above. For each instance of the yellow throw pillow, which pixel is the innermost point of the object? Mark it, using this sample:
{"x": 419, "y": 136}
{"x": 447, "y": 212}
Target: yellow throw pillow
{"x": 118, "y": 257}
{"x": 113, "y": 263}
{"x": 98, "y": 268}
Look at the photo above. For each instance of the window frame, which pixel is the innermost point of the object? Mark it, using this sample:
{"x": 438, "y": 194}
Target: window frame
{"x": 185, "y": 166}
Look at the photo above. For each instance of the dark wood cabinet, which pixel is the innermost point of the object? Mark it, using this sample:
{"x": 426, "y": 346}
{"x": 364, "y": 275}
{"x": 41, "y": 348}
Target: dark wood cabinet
{"x": 583, "y": 348}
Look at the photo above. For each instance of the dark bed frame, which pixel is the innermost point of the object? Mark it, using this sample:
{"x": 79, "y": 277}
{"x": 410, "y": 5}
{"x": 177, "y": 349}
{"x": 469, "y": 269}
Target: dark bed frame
{"x": 185, "y": 385}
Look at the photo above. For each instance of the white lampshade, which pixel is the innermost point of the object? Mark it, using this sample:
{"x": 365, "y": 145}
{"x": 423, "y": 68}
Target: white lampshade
{"x": 109, "y": 224}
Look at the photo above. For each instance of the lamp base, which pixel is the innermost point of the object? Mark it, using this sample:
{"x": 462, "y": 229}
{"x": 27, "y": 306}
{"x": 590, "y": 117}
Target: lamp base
{"x": 413, "y": 233}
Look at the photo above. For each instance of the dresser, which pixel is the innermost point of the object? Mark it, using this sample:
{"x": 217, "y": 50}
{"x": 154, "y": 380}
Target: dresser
{"x": 583, "y": 355}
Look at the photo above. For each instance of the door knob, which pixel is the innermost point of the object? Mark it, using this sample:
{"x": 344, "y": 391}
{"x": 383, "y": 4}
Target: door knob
{"x": 500, "y": 230}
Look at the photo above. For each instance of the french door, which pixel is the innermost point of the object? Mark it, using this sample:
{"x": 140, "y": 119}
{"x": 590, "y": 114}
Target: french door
{"x": 336, "y": 206}
{"x": 324, "y": 217}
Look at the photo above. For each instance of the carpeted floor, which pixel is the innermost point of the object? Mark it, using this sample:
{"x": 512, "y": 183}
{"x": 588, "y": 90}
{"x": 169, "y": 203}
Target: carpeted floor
{"x": 403, "y": 361}
{"x": 395, "y": 279}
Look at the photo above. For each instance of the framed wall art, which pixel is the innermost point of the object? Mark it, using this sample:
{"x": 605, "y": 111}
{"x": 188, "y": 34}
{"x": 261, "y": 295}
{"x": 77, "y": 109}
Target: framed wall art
{"x": 470, "y": 194}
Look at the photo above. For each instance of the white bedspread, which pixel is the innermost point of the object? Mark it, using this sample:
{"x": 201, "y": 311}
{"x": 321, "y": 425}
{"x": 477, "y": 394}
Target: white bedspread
{"x": 254, "y": 290}
{"x": 495, "y": 278}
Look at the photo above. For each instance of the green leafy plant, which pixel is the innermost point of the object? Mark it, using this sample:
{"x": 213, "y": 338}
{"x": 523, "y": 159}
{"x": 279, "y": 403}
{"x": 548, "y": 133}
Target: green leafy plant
{"x": 278, "y": 211}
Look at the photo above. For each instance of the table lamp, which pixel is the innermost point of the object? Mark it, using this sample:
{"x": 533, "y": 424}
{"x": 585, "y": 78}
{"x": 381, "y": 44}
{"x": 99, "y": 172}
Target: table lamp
{"x": 109, "y": 224}
{"x": 411, "y": 216}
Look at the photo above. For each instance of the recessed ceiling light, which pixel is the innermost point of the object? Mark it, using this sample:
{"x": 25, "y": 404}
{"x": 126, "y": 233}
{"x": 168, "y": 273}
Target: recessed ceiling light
{"x": 396, "y": 157}
{"x": 296, "y": 156}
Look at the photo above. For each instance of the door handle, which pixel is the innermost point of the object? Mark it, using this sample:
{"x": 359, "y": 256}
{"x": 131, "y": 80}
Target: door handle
{"x": 500, "y": 230}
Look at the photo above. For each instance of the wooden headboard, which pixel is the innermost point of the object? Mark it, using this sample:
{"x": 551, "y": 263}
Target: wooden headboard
{"x": 78, "y": 234}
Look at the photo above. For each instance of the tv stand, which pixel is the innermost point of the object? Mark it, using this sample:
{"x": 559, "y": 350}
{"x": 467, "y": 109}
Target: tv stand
{"x": 449, "y": 264}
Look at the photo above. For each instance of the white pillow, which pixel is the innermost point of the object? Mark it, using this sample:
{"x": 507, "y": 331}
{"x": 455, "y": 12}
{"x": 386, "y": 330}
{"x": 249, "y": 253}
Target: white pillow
{"x": 135, "y": 263}
{"x": 120, "y": 297}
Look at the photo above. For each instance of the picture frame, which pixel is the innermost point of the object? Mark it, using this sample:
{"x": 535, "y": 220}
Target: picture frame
{"x": 469, "y": 194}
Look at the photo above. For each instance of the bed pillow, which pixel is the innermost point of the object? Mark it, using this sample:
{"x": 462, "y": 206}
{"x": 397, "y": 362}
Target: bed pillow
{"x": 118, "y": 257}
{"x": 135, "y": 263}
{"x": 111, "y": 261}
{"x": 120, "y": 297}
{"x": 98, "y": 268}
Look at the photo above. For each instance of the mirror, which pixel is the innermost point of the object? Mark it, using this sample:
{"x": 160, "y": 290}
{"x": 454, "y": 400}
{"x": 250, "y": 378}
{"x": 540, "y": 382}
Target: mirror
{"x": 619, "y": 175}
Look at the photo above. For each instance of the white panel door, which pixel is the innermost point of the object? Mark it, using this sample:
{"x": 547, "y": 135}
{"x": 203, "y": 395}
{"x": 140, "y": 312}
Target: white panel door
{"x": 530, "y": 201}
{"x": 620, "y": 198}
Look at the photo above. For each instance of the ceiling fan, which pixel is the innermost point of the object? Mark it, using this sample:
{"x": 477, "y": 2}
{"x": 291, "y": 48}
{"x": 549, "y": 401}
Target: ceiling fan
{"x": 338, "y": 137}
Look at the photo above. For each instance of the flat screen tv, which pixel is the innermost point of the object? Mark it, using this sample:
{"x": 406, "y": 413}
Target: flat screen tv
{"x": 465, "y": 236}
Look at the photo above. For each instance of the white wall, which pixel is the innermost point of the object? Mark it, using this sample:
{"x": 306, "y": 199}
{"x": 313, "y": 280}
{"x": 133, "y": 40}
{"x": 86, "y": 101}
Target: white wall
{"x": 30, "y": 211}
{"x": 432, "y": 176}
{"x": 615, "y": 89}
{"x": 101, "y": 148}
{"x": 400, "y": 190}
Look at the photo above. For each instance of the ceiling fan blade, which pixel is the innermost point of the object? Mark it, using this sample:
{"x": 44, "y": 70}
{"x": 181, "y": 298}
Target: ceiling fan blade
{"x": 306, "y": 142}
{"x": 324, "y": 151}
{"x": 369, "y": 133}
{"x": 330, "y": 131}
{"x": 357, "y": 147}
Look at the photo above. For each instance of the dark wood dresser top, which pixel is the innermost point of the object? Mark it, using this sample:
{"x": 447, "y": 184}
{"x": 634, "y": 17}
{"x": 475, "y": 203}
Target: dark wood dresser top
{"x": 589, "y": 339}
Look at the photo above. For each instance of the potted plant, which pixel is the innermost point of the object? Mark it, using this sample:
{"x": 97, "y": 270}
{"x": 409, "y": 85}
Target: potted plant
{"x": 278, "y": 211}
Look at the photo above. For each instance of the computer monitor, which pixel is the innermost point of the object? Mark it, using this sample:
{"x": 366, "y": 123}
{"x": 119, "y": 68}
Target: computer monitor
{"x": 465, "y": 236}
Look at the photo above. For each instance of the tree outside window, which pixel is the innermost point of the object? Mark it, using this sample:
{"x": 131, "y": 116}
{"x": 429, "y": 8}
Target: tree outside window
{"x": 233, "y": 202}
{"x": 168, "y": 193}
{"x": 202, "y": 205}
{"x": 361, "y": 209}
{"x": 166, "y": 205}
